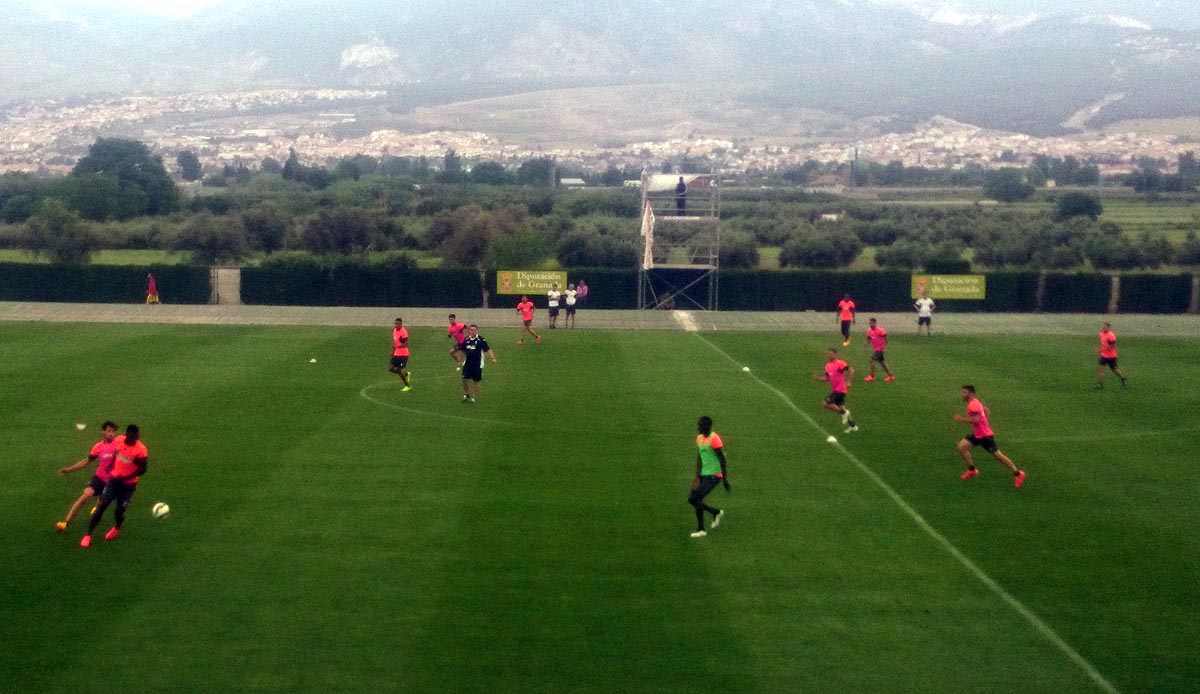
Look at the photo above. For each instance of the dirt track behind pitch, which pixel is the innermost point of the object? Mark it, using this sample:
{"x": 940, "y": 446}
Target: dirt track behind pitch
{"x": 803, "y": 321}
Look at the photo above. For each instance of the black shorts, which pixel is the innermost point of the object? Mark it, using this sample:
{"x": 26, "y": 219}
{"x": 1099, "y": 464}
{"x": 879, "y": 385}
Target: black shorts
{"x": 1110, "y": 362}
{"x": 121, "y": 492}
{"x": 554, "y": 312}
{"x": 877, "y": 356}
{"x": 570, "y": 310}
{"x": 399, "y": 362}
{"x": 987, "y": 443}
{"x": 472, "y": 373}
{"x": 835, "y": 398}
{"x": 527, "y": 322}
{"x": 96, "y": 485}
{"x": 707, "y": 484}
{"x": 924, "y": 320}
{"x": 846, "y": 328}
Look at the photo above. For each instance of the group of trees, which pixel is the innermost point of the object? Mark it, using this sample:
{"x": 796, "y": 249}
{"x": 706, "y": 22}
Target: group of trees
{"x": 120, "y": 196}
{"x": 118, "y": 179}
{"x": 1149, "y": 177}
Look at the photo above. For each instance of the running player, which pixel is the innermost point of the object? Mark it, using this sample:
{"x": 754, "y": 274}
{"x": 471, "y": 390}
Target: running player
{"x": 924, "y": 307}
{"x": 400, "y": 354}
{"x": 129, "y": 465}
{"x": 878, "y": 337}
{"x": 1108, "y": 357}
{"x": 846, "y": 316}
{"x": 473, "y": 349}
{"x": 710, "y": 471}
{"x": 981, "y": 435}
{"x": 838, "y": 373}
{"x": 458, "y": 331}
{"x": 103, "y": 454}
{"x": 525, "y": 308}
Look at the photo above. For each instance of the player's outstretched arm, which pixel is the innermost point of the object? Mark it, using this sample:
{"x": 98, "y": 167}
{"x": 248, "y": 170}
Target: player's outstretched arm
{"x": 724, "y": 472}
{"x": 72, "y": 468}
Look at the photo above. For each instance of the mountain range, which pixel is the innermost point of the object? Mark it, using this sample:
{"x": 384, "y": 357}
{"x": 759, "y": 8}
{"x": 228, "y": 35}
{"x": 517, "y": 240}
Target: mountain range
{"x": 1011, "y": 64}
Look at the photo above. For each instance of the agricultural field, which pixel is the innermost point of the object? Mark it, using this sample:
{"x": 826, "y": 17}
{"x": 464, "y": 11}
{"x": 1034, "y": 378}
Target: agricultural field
{"x": 1170, "y": 220}
{"x": 332, "y": 533}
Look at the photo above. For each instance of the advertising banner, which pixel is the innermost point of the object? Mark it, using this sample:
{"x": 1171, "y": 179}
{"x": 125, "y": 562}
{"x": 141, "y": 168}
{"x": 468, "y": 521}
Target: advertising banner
{"x": 529, "y": 281}
{"x": 949, "y": 286}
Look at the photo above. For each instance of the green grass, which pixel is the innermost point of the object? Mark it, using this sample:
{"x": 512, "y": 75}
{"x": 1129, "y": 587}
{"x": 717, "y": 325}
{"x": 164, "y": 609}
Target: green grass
{"x": 122, "y": 257}
{"x": 330, "y": 533}
{"x": 1172, "y": 220}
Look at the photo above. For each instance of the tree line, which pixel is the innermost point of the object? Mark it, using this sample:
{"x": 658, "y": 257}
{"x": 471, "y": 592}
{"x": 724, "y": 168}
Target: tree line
{"x": 120, "y": 196}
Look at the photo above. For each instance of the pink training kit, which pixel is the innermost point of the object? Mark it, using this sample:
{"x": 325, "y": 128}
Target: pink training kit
{"x": 837, "y": 378}
{"x": 979, "y": 427}
{"x": 878, "y": 338}
{"x": 106, "y": 454}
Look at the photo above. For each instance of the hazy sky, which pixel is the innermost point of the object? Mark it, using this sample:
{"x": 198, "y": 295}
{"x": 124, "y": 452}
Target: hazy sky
{"x": 165, "y": 8}
{"x": 181, "y": 8}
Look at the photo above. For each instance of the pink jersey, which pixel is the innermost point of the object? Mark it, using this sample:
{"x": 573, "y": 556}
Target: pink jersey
{"x": 126, "y": 458}
{"x": 979, "y": 428}
{"x": 836, "y": 370}
{"x": 526, "y": 309}
{"x": 399, "y": 342}
{"x": 105, "y": 453}
{"x": 878, "y": 338}
{"x": 1108, "y": 344}
{"x": 458, "y": 331}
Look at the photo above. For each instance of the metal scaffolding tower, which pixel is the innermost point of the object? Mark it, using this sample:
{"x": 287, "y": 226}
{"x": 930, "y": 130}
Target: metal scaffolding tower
{"x": 681, "y": 241}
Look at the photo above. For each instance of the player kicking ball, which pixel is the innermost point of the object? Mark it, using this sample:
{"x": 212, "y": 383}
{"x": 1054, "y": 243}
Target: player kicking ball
{"x": 981, "y": 435}
{"x": 129, "y": 465}
{"x": 104, "y": 454}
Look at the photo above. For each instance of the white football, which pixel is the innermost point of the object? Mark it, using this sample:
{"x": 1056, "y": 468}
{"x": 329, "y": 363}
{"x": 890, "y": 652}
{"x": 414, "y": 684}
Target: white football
{"x": 160, "y": 510}
{"x": 831, "y": 439}
{"x": 745, "y": 368}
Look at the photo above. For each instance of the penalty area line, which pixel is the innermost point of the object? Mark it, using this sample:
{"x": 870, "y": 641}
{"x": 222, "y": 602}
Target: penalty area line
{"x": 365, "y": 394}
{"x": 1019, "y": 607}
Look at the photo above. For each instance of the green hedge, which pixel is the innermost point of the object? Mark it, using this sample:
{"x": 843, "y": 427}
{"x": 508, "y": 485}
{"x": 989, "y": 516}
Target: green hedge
{"x": 607, "y": 287}
{"x": 1155, "y": 293}
{"x": 1077, "y": 293}
{"x": 349, "y": 283}
{"x": 816, "y": 290}
{"x": 103, "y": 284}
{"x": 1007, "y": 292}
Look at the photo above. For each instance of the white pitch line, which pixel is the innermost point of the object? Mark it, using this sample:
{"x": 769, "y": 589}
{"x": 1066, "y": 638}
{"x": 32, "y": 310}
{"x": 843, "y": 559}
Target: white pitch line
{"x": 1020, "y": 608}
{"x": 474, "y": 420}
{"x": 685, "y": 320}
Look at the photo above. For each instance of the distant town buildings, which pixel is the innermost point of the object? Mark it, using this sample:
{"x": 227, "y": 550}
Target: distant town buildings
{"x": 246, "y": 127}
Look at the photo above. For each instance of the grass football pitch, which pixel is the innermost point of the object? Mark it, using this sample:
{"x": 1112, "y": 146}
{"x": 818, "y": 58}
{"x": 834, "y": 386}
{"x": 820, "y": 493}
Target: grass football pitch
{"x": 329, "y": 532}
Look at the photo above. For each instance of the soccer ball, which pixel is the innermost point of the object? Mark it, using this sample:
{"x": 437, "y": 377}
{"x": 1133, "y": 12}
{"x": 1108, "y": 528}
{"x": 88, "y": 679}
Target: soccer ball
{"x": 160, "y": 510}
